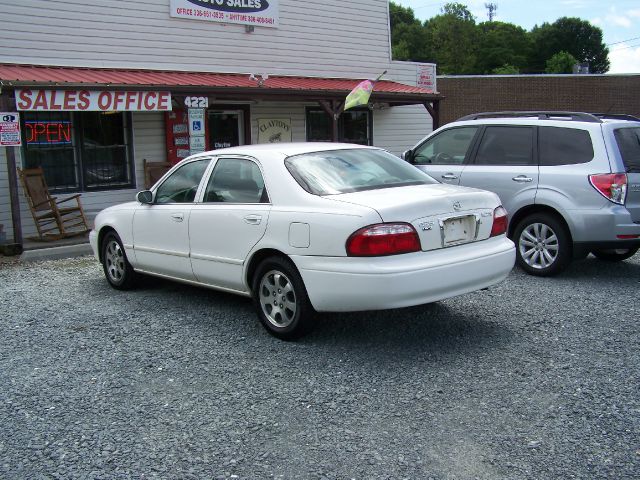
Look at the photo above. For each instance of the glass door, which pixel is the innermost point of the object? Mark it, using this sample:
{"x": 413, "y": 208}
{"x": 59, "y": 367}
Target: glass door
{"x": 226, "y": 128}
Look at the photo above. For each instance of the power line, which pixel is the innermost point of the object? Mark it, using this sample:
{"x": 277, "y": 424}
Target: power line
{"x": 623, "y": 41}
{"x": 427, "y": 5}
{"x": 628, "y": 46}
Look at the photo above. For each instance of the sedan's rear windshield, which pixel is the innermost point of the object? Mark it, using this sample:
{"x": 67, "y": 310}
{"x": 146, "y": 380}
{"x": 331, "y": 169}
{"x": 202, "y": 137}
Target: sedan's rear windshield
{"x": 629, "y": 144}
{"x": 343, "y": 171}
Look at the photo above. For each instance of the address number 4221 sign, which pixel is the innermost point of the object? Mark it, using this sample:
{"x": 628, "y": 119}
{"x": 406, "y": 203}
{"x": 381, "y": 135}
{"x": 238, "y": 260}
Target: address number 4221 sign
{"x": 196, "y": 102}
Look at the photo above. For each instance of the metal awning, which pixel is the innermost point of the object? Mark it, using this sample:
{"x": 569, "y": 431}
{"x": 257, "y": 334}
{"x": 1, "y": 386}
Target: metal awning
{"x": 236, "y": 85}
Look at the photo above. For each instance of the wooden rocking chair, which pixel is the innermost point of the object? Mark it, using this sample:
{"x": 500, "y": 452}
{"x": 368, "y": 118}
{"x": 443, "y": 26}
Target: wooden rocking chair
{"x": 153, "y": 171}
{"x": 53, "y": 219}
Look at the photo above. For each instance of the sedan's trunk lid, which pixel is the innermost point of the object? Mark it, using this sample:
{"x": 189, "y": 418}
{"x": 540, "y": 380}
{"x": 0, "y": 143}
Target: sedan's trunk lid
{"x": 443, "y": 215}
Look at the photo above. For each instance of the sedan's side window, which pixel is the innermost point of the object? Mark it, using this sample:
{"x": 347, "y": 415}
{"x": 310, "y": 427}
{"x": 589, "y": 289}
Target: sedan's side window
{"x": 181, "y": 186}
{"x": 449, "y": 147}
{"x": 236, "y": 181}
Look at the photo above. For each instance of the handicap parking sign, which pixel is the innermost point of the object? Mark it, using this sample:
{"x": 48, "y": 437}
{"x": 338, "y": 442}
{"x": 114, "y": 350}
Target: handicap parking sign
{"x": 196, "y": 122}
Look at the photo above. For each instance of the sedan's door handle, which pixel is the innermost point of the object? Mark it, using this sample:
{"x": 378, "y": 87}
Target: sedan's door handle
{"x": 450, "y": 176}
{"x": 177, "y": 217}
{"x": 522, "y": 179}
{"x": 253, "y": 219}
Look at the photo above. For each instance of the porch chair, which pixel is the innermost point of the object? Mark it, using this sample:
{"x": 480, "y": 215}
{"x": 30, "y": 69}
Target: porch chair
{"x": 153, "y": 171}
{"x": 53, "y": 219}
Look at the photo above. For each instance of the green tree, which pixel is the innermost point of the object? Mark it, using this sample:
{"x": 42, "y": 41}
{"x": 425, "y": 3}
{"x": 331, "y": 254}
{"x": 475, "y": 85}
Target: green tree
{"x": 408, "y": 35}
{"x": 561, "y": 62}
{"x": 572, "y": 35}
{"x": 502, "y": 43}
{"x": 453, "y": 39}
{"x": 506, "y": 69}
{"x": 458, "y": 10}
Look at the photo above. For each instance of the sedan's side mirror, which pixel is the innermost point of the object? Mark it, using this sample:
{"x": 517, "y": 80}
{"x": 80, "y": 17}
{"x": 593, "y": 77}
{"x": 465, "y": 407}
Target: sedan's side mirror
{"x": 145, "y": 196}
{"x": 407, "y": 156}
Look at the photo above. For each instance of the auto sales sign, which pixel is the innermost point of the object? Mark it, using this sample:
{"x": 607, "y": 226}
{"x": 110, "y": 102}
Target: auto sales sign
{"x": 260, "y": 13}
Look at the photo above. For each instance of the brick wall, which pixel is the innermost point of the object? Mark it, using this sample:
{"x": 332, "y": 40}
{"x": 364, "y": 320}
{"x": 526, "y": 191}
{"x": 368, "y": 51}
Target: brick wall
{"x": 579, "y": 93}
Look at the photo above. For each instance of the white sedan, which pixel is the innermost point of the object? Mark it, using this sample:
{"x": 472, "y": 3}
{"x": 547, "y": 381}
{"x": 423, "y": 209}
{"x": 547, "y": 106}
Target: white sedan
{"x": 307, "y": 227}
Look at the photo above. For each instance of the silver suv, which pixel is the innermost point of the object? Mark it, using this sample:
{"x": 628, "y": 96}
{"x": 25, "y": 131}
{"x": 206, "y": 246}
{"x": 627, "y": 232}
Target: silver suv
{"x": 570, "y": 181}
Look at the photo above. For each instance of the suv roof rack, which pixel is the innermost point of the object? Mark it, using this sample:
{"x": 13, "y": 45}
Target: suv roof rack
{"x": 542, "y": 115}
{"x": 617, "y": 116}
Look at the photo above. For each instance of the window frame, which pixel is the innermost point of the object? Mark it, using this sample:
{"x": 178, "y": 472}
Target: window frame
{"x": 629, "y": 168}
{"x": 469, "y": 154}
{"x": 199, "y": 190}
{"x": 208, "y": 175}
{"x": 341, "y": 136}
{"x": 542, "y": 128}
{"x": 535, "y": 161}
{"x": 77, "y": 149}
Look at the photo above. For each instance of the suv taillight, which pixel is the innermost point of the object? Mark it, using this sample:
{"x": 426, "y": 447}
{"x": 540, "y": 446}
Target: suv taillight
{"x": 500, "y": 221}
{"x": 383, "y": 239}
{"x": 612, "y": 186}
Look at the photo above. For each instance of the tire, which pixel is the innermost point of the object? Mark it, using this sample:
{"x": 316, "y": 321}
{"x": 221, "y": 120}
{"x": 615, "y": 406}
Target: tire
{"x": 291, "y": 315}
{"x": 615, "y": 255}
{"x": 543, "y": 245}
{"x": 115, "y": 264}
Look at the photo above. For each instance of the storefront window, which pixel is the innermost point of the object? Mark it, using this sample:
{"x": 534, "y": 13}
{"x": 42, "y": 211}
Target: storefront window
{"x": 318, "y": 126}
{"x": 354, "y": 126}
{"x": 79, "y": 151}
{"x": 49, "y": 142}
{"x": 104, "y": 150}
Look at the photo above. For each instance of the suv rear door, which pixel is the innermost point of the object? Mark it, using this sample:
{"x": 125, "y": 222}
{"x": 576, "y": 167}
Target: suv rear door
{"x": 443, "y": 155}
{"x": 505, "y": 162}
{"x": 628, "y": 140}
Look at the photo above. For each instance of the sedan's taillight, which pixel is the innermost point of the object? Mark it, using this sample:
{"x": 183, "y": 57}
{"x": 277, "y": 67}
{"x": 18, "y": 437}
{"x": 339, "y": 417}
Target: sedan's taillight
{"x": 383, "y": 239}
{"x": 612, "y": 186}
{"x": 500, "y": 221}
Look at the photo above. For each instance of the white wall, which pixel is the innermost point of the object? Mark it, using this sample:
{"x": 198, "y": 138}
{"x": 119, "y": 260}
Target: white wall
{"x": 328, "y": 38}
{"x": 399, "y": 128}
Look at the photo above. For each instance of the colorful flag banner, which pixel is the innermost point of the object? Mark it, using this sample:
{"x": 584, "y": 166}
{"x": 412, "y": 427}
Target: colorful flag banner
{"x": 360, "y": 95}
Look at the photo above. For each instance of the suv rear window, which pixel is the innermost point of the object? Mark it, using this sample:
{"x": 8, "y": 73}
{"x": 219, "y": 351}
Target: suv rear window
{"x": 564, "y": 146}
{"x": 629, "y": 144}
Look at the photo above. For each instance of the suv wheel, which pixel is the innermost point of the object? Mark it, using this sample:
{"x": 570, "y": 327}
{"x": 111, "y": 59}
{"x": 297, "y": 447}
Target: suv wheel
{"x": 543, "y": 245}
{"x": 615, "y": 255}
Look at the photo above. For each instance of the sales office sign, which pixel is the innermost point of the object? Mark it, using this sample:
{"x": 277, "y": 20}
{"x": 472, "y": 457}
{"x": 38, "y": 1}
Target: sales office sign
{"x": 260, "y": 13}
{"x": 92, "y": 100}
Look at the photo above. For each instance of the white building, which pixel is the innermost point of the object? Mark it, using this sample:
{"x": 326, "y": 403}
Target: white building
{"x": 102, "y": 86}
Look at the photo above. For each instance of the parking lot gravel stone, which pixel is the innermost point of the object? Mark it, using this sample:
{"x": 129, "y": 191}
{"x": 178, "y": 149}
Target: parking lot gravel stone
{"x": 535, "y": 378}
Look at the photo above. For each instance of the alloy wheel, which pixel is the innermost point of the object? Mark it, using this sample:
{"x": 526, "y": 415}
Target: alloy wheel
{"x": 115, "y": 261}
{"x": 538, "y": 245}
{"x": 278, "y": 299}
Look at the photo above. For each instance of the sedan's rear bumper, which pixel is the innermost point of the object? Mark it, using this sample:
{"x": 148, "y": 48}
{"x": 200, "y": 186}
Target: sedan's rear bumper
{"x": 342, "y": 284}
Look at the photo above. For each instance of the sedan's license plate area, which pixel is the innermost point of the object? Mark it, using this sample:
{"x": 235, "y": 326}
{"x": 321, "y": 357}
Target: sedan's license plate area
{"x": 458, "y": 230}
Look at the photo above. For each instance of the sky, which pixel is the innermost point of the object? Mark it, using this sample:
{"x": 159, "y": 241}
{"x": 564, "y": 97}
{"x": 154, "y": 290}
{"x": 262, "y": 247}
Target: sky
{"x": 618, "y": 19}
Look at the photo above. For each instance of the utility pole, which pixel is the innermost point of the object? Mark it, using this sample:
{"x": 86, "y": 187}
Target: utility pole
{"x": 492, "y": 9}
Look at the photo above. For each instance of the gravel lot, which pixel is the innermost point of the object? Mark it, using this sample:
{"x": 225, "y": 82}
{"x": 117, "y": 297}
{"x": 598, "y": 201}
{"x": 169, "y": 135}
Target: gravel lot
{"x": 534, "y": 378}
